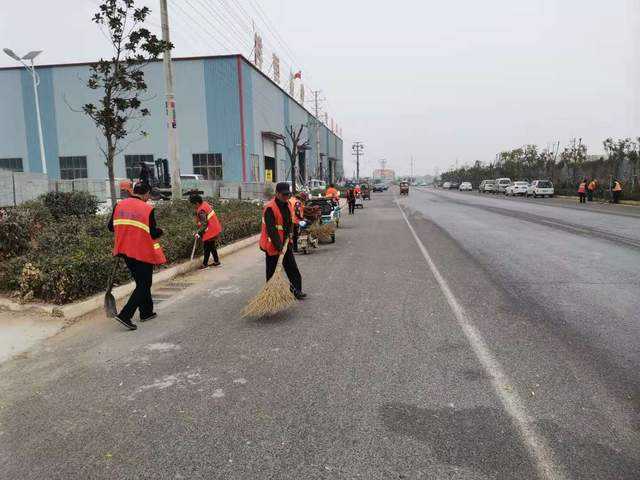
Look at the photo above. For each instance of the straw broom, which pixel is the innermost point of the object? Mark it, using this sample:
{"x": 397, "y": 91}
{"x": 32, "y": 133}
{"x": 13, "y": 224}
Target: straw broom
{"x": 323, "y": 231}
{"x": 274, "y": 297}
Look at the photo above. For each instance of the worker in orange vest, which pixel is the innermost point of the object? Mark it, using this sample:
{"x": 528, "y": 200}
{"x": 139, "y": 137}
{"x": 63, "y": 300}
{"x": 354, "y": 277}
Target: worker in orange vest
{"x": 136, "y": 234}
{"x": 209, "y": 229}
{"x": 332, "y": 193}
{"x": 582, "y": 191}
{"x": 616, "y": 190}
{"x": 297, "y": 214}
{"x": 591, "y": 188}
{"x": 277, "y": 227}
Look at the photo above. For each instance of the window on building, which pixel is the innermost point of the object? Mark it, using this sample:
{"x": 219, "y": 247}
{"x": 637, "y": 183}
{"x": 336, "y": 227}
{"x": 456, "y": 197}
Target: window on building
{"x": 209, "y": 165}
{"x": 132, "y": 164}
{"x": 73, "y": 167}
{"x": 13, "y": 164}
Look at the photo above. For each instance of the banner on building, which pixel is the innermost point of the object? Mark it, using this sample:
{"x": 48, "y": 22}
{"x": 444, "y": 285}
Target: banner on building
{"x": 291, "y": 84}
{"x": 257, "y": 50}
{"x": 301, "y": 93}
{"x": 276, "y": 68}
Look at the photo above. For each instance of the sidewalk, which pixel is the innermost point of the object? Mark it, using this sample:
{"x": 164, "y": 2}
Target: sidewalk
{"x": 23, "y": 326}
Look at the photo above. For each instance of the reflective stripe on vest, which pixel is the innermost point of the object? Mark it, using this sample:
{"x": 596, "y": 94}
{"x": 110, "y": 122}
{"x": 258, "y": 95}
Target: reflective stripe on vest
{"x": 133, "y": 223}
{"x": 132, "y": 232}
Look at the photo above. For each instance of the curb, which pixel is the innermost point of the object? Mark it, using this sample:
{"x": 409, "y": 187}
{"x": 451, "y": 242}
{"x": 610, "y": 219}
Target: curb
{"x": 77, "y": 309}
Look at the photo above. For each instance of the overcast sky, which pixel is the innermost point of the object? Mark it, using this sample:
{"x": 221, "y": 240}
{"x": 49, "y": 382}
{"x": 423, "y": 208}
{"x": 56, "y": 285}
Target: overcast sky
{"x": 439, "y": 81}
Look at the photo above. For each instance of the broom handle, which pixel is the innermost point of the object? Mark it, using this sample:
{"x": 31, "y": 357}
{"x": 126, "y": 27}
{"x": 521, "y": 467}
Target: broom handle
{"x": 281, "y": 257}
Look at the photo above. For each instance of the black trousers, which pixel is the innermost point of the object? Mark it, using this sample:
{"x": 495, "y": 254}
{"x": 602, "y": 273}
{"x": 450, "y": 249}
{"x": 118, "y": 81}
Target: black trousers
{"x": 590, "y": 195}
{"x": 142, "y": 274}
{"x": 582, "y": 197}
{"x": 209, "y": 248}
{"x": 352, "y": 206}
{"x": 616, "y": 197}
{"x": 290, "y": 268}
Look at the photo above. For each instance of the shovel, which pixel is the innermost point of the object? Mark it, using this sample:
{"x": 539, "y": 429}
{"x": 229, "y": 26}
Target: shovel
{"x": 110, "y": 309}
{"x": 193, "y": 250}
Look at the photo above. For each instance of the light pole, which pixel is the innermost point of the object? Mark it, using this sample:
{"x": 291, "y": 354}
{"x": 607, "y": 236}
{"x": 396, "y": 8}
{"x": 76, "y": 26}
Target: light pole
{"x": 36, "y": 81}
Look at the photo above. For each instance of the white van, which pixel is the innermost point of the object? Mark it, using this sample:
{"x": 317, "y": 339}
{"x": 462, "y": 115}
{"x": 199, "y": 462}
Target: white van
{"x": 501, "y": 185}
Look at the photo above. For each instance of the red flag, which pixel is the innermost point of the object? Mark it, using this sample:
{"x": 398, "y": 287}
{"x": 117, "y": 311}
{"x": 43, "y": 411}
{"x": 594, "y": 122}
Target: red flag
{"x": 298, "y": 74}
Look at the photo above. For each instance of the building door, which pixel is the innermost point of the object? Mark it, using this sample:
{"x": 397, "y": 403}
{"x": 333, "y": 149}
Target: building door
{"x": 269, "y": 154}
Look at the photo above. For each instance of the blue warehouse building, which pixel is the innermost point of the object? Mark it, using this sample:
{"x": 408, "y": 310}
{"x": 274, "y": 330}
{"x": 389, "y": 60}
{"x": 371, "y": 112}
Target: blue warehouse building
{"x": 229, "y": 116}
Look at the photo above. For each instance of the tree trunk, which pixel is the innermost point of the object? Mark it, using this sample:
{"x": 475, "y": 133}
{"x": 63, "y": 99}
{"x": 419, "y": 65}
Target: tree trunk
{"x": 293, "y": 170}
{"x": 111, "y": 153}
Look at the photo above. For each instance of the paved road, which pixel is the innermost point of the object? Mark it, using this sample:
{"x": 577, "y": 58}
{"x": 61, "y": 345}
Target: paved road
{"x": 483, "y": 339}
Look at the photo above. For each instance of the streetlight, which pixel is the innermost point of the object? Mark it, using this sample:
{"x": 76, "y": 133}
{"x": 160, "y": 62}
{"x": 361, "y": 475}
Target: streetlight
{"x": 36, "y": 81}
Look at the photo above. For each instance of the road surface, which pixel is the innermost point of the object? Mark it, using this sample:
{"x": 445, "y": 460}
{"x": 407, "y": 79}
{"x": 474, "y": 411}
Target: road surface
{"x": 446, "y": 336}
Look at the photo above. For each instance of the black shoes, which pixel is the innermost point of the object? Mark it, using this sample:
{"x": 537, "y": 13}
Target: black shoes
{"x": 127, "y": 323}
{"x": 150, "y": 317}
{"x": 299, "y": 294}
{"x": 216, "y": 264}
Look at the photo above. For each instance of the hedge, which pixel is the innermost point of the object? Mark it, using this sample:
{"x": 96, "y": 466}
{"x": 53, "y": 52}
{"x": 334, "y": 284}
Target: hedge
{"x": 59, "y": 250}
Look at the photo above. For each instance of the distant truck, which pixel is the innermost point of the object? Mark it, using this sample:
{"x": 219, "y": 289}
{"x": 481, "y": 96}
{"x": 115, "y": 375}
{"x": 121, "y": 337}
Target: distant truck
{"x": 404, "y": 188}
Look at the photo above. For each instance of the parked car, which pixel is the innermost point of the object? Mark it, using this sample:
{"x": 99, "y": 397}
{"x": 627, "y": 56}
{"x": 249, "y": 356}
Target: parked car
{"x": 517, "y": 188}
{"x": 454, "y": 185}
{"x": 446, "y": 185}
{"x": 501, "y": 185}
{"x": 465, "y": 187}
{"x": 540, "y": 188}
{"x": 486, "y": 186}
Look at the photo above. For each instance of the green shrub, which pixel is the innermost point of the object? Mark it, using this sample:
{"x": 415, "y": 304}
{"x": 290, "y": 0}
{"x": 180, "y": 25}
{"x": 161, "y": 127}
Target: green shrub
{"x": 62, "y": 204}
{"x": 66, "y": 259}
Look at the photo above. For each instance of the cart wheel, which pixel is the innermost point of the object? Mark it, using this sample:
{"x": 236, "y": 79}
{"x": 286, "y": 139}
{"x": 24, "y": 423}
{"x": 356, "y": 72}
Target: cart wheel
{"x": 337, "y": 223}
{"x": 333, "y": 238}
{"x": 305, "y": 251}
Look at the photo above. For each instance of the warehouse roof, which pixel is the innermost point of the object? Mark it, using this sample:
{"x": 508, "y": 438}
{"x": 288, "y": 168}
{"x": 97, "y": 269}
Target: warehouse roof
{"x": 182, "y": 59}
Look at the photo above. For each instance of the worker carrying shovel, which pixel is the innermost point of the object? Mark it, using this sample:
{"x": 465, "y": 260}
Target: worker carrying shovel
{"x": 277, "y": 227}
{"x": 136, "y": 235}
{"x": 209, "y": 229}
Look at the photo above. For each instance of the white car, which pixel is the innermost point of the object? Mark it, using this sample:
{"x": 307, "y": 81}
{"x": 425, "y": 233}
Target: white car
{"x": 446, "y": 185}
{"x": 540, "y": 188}
{"x": 465, "y": 187}
{"x": 517, "y": 188}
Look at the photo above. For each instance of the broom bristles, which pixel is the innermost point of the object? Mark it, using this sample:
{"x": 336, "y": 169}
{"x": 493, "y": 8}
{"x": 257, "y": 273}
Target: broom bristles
{"x": 323, "y": 230}
{"x": 274, "y": 297}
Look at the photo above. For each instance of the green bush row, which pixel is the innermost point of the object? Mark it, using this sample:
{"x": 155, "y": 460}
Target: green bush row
{"x": 59, "y": 258}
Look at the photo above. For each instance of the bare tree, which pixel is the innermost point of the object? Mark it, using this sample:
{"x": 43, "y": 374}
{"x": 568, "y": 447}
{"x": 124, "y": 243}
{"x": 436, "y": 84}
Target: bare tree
{"x": 293, "y": 145}
{"x": 121, "y": 78}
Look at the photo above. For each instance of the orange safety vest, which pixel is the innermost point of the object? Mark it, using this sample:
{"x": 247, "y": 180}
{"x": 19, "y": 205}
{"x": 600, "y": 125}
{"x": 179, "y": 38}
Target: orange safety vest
{"x": 265, "y": 242}
{"x": 582, "y": 188}
{"x": 213, "y": 224}
{"x": 617, "y": 187}
{"x": 332, "y": 193}
{"x": 132, "y": 237}
{"x": 297, "y": 210}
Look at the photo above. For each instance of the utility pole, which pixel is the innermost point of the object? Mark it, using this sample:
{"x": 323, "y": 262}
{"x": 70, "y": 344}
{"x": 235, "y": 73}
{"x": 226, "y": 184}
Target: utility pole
{"x": 357, "y": 148}
{"x": 412, "y": 177}
{"x": 172, "y": 126}
{"x": 316, "y": 95}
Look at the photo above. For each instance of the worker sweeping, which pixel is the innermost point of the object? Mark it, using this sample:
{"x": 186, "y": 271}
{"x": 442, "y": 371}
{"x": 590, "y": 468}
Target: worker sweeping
{"x": 209, "y": 228}
{"x": 297, "y": 214}
{"x": 277, "y": 227}
{"x": 136, "y": 233}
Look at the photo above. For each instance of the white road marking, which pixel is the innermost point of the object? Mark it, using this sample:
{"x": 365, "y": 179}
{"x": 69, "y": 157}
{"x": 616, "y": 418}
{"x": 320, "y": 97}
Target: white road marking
{"x": 534, "y": 442}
